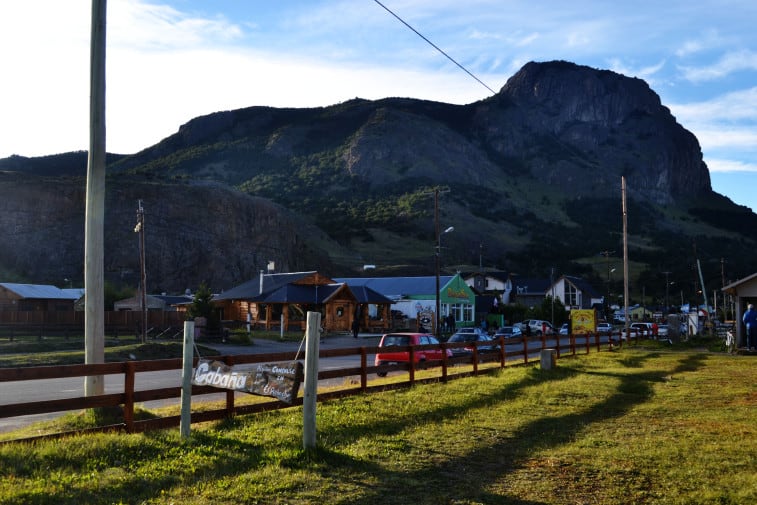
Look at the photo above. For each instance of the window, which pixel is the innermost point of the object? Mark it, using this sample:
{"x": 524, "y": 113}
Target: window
{"x": 572, "y": 297}
{"x": 463, "y": 312}
{"x": 468, "y": 312}
{"x": 402, "y": 340}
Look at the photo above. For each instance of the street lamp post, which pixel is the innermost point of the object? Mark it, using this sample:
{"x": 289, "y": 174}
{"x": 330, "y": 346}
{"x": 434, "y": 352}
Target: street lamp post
{"x": 607, "y": 254}
{"x": 140, "y": 228}
{"x": 437, "y": 235}
{"x": 438, "y": 266}
{"x": 667, "y": 299}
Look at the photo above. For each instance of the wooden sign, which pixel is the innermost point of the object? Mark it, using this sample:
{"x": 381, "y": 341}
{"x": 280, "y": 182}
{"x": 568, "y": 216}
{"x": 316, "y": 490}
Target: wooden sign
{"x": 279, "y": 380}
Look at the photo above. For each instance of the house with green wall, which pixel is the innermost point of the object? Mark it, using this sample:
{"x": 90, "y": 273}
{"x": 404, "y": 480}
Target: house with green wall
{"x": 413, "y": 295}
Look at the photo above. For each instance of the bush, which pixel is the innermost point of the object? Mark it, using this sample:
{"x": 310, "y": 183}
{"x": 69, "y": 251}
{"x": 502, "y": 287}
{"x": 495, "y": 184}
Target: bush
{"x": 239, "y": 337}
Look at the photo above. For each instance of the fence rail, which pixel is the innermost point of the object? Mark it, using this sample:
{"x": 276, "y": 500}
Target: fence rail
{"x": 65, "y": 323}
{"x": 127, "y": 399}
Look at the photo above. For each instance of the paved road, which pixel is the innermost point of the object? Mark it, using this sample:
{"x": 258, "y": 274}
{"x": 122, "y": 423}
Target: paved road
{"x": 49, "y": 389}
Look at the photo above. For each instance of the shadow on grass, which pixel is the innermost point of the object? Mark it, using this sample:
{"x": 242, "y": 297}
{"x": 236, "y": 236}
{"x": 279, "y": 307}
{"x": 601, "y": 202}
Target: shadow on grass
{"x": 469, "y": 476}
{"x": 122, "y": 478}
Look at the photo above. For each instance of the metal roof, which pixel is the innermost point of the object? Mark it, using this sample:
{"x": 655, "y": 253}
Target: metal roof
{"x": 251, "y": 289}
{"x": 399, "y": 287}
{"x": 364, "y": 294}
{"x": 531, "y": 286}
{"x": 41, "y": 291}
{"x": 300, "y": 294}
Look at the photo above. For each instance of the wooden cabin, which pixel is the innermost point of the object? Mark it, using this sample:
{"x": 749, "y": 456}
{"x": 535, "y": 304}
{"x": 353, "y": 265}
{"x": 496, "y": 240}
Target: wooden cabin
{"x": 271, "y": 301}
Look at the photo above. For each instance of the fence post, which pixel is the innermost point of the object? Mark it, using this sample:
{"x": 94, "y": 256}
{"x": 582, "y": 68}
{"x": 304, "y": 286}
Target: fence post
{"x": 411, "y": 370}
{"x": 186, "y": 380}
{"x": 443, "y": 347}
{"x": 229, "y": 393}
{"x": 129, "y": 396}
{"x": 363, "y": 367}
{"x": 310, "y": 398}
{"x": 573, "y": 344}
{"x": 557, "y": 347}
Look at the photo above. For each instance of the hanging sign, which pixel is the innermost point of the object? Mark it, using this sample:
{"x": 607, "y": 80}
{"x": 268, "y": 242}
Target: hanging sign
{"x": 279, "y": 380}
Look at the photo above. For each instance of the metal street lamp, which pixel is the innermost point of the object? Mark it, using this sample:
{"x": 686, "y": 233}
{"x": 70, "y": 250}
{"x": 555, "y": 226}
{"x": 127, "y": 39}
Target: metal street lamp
{"x": 607, "y": 254}
{"x": 438, "y": 288}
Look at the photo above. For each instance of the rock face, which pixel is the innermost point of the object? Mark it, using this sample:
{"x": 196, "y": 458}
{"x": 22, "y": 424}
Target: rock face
{"x": 556, "y": 132}
{"x": 571, "y": 123}
{"x": 193, "y": 233}
{"x": 565, "y": 125}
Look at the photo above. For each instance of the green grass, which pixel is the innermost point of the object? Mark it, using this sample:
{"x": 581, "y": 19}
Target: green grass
{"x": 630, "y": 426}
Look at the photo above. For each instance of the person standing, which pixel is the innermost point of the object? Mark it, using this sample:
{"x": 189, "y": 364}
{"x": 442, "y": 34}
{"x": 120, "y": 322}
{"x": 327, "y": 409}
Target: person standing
{"x": 750, "y": 321}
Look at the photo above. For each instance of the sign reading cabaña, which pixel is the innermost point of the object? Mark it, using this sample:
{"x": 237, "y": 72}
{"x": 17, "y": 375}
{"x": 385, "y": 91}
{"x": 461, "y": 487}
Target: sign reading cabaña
{"x": 279, "y": 380}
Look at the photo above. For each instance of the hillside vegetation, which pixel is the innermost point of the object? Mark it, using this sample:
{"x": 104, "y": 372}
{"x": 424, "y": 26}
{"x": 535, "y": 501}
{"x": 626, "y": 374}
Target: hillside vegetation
{"x": 530, "y": 178}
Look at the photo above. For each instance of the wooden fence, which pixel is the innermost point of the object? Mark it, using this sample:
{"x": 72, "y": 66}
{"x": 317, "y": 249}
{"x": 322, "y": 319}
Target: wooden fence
{"x": 126, "y": 400}
{"x": 66, "y": 323}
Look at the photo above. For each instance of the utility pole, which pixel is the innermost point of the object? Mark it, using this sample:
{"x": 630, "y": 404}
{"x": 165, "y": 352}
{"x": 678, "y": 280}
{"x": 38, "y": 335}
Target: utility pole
{"x": 140, "y": 228}
{"x": 438, "y": 251}
{"x": 607, "y": 254}
{"x": 722, "y": 285}
{"x": 552, "y": 283}
{"x": 625, "y": 255}
{"x": 438, "y": 236}
{"x": 667, "y": 302}
{"x": 94, "y": 220}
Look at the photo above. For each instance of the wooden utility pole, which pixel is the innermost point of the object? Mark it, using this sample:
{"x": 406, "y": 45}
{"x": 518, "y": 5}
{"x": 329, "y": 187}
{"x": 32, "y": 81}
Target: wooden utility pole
{"x": 437, "y": 235}
{"x": 94, "y": 227}
{"x": 140, "y": 228}
{"x": 625, "y": 258}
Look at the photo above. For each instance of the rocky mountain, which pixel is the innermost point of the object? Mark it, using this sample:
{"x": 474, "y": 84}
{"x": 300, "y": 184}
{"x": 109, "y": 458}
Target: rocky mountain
{"x": 529, "y": 178}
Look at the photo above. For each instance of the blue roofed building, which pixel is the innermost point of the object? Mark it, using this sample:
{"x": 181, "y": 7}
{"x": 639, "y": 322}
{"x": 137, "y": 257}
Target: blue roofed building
{"x": 17, "y": 297}
{"x": 413, "y": 295}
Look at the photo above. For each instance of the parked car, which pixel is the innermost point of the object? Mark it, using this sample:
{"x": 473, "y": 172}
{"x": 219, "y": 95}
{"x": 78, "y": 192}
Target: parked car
{"x": 564, "y": 329}
{"x": 471, "y": 330}
{"x": 637, "y": 330}
{"x": 508, "y": 332}
{"x": 483, "y": 342}
{"x": 604, "y": 328}
{"x": 662, "y": 330}
{"x": 536, "y": 326}
{"x": 388, "y": 354}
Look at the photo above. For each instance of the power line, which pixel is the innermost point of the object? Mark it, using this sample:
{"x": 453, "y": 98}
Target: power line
{"x": 435, "y": 46}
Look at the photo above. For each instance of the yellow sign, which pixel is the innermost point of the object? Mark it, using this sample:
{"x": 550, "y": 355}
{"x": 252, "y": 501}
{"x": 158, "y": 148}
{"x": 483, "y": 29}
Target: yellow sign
{"x": 583, "y": 321}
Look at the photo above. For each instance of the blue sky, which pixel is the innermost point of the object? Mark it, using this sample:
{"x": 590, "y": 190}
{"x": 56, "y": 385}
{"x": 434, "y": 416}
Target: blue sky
{"x": 170, "y": 61}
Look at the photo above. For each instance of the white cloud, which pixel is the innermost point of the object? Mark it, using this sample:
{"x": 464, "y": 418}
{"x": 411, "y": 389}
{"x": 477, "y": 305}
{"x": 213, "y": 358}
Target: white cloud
{"x": 729, "y": 107}
{"x": 138, "y": 24}
{"x": 647, "y": 73}
{"x": 728, "y": 64}
{"x": 708, "y": 41}
{"x": 730, "y": 166}
{"x": 726, "y": 122}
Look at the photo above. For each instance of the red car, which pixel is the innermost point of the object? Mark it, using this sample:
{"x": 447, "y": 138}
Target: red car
{"x": 388, "y": 356}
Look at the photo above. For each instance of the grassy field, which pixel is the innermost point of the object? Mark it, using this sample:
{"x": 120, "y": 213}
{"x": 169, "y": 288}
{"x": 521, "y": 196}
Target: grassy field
{"x": 632, "y": 426}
